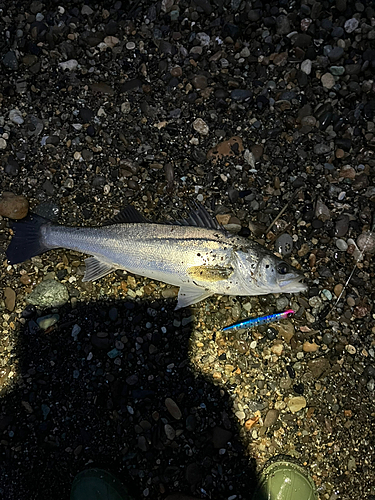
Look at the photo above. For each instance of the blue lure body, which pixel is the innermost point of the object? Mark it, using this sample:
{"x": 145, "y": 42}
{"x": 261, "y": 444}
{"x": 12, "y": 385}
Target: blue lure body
{"x": 261, "y": 320}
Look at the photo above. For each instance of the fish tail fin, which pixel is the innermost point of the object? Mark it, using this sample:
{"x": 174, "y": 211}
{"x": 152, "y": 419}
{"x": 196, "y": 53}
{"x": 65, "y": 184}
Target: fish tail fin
{"x": 27, "y": 240}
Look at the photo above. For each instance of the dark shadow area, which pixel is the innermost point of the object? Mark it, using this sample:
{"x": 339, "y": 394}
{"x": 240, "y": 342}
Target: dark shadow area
{"x": 98, "y": 398}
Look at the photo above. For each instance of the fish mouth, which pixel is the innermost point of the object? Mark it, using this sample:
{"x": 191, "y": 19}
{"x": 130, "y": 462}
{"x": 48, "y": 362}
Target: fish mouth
{"x": 292, "y": 283}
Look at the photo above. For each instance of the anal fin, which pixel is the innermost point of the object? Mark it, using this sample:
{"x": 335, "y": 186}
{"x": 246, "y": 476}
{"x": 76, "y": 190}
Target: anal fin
{"x": 96, "y": 269}
{"x": 189, "y": 295}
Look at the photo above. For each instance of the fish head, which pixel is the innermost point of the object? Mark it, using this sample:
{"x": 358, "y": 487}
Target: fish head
{"x": 265, "y": 273}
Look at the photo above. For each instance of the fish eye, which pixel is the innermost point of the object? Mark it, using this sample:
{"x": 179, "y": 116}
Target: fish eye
{"x": 282, "y": 268}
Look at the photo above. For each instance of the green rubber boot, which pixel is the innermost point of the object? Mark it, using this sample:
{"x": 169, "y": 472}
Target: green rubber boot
{"x": 98, "y": 484}
{"x": 285, "y": 480}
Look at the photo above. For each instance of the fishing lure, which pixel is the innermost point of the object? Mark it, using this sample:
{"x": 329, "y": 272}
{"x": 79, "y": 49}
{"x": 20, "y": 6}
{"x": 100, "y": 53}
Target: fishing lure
{"x": 261, "y": 320}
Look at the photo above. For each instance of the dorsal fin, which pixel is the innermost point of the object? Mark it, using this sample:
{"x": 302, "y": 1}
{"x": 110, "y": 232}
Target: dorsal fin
{"x": 198, "y": 217}
{"x": 128, "y": 215}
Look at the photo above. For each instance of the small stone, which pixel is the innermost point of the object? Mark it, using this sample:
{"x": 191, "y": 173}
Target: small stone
{"x": 10, "y": 60}
{"x": 310, "y": 346}
{"x": 199, "y": 82}
{"x": 9, "y": 298}
{"x": 318, "y": 367}
{"x": 338, "y": 289}
{"x": 200, "y": 126}
{"x": 69, "y": 65}
{"x": 271, "y": 418}
{"x": 231, "y": 147}
{"x": 328, "y": 80}
{"x": 86, "y": 10}
{"x": 351, "y": 25}
{"x": 130, "y": 45}
{"x": 342, "y": 225}
{"x": 347, "y": 172}
{"x": 277, "y": 349}
{"x": 296, "y": 404}
{"x": 13, "y": 206}
{"x": 15, "y": 116}
{"x": 173, "y": 409}
{"x": 241, "y": 94}
{"x": 49, "y": 293}
{"x": 284, "y": 244}
{"x": 342, "y": 245}
{"x": 366, "y": 242}
{"x": 337, "y": 70}
{"x": 169, "y": 432}
{"x": 45, "y": 322}
{"x": 3, "y": 143}
{"x": 257, "y": 151}
{"x": 335, "y": 54}
{"x": 306, "y": 66}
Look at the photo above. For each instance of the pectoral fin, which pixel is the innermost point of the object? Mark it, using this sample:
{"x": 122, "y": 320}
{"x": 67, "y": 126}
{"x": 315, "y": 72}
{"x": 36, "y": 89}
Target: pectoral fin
{"x": 96, "y": 269}
{"x": 189, "y": 295}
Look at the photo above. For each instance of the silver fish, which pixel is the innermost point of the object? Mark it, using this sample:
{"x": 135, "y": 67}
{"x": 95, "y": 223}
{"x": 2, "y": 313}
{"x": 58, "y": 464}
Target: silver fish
{"x": 195, "y": 254}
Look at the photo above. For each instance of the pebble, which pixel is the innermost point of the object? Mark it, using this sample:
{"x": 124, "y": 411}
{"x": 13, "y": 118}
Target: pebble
{"x": 15, "y": 116}
{"x": 271, "y": 418}
{"x": 10, "y": 60}
{"x": 69, "y": 65}
{"x": 351, "y": 25}
{"x": 169, "y": 432}
{"x": 310, "y": 346}
{"x": 338, "y": 289}
{"x": 327, "y": 338}
{"x": 328, "y": 80}
{"x": 284, "y": 244}
{"x": 342, "y": 245}
{"x": 297, "y": 403}
{"x": 366, "y": 242}
{"x": 45, "y": 322}
{"x": 306, "y": 66}
{"x": 13, "y": 206}
{"x": 3, "y": 143}
{"x": 49, "y": 293}
{"x": 173, "y": 408}
{"x": 201, "y": 126}
{"x": 9, "y": 298}
{"x": 241, "y": 95}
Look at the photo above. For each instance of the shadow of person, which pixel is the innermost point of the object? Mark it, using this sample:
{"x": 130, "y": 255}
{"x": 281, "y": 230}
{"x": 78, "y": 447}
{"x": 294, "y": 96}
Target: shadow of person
{"x": 110, "y": 385}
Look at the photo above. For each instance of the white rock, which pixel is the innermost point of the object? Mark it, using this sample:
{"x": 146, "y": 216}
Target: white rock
{"x": 201, "y": 126}
{"x": 70, "y": 65}
{"x": 306, "y": 66}
{"x": 15, "y": 116}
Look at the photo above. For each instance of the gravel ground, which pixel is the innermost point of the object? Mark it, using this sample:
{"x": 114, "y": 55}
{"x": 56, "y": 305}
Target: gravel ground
{"x": 249, "y": 108}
